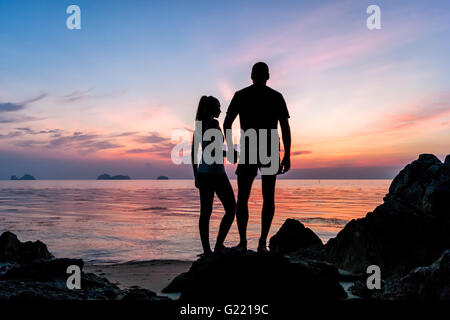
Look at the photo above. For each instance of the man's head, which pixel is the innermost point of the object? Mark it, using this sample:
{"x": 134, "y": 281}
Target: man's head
{"x": 260, "y": 73}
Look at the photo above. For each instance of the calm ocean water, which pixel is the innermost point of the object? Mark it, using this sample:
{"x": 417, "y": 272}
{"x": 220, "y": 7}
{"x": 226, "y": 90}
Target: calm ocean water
{"x": 118, "y": 221}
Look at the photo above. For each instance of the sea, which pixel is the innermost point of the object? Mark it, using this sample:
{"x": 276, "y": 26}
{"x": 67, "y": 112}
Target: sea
{"x": 115, "y": 221}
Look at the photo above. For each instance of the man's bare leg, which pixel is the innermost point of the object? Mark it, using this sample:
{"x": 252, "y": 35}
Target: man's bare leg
{"x": 244, "y": 188}
{"x": 268, "y": 210}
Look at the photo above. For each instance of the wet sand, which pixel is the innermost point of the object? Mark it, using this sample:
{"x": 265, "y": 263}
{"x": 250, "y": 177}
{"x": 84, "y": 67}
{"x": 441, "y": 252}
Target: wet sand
{"x": 154, "y": 275}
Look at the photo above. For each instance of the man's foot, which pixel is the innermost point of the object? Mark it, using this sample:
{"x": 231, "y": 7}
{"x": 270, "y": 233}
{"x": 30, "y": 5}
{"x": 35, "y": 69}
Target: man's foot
{"x": 241, "y": 247}
{"x": 262, "y": 250}
{"x": 262, "y": 247}
{"x": 219, "y": 248}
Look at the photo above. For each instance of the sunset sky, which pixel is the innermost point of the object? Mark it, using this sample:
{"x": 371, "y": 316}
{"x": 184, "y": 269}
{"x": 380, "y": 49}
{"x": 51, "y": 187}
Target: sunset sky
{"x": 107, "y": 98}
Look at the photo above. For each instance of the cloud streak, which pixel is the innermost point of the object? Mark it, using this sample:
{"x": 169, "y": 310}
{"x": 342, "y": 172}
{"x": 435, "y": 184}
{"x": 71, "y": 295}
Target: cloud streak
{"x": 77, "y": 95}
{"x": 414, "y": 113}
{"x": 152, "y": 137}
{"x": 12, "y": 107}
{"x": 58, "y": 140}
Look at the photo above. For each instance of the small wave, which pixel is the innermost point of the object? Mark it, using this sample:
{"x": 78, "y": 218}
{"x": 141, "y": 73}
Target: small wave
{"x": 333, "y": 221}
{"x": 82, "y": 199}
{"x": 153, "y": 209}
{"x": 22, "y": 192}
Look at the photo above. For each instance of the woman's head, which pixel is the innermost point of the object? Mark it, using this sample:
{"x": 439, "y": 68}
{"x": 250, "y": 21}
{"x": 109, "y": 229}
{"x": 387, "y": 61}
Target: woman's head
{"x": 208, "y": 108}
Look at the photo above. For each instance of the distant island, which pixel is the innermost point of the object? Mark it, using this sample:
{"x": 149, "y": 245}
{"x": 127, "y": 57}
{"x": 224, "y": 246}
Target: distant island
{"x": 25, "y": 177}
{"x": 162, "y": 178}
{"x": 106, "y": 176}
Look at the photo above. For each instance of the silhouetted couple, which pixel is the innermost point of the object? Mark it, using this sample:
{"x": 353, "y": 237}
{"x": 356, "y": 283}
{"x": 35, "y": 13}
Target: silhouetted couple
{"x": 260, "y": 108}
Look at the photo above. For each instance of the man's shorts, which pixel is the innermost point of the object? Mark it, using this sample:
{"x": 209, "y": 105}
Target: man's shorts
{"x": 251, "y": 170}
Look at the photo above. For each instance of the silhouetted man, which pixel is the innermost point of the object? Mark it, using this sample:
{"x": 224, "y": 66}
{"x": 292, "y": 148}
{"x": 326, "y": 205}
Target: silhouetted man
{"x": 258, "y": 107}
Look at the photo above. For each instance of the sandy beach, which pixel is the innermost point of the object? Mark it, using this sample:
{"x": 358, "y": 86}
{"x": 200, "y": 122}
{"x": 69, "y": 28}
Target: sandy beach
{"x": 154, "y": 275}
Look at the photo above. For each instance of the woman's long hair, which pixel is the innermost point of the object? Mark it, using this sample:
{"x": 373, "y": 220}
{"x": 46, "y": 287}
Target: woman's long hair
{"x": 206, "y": 108}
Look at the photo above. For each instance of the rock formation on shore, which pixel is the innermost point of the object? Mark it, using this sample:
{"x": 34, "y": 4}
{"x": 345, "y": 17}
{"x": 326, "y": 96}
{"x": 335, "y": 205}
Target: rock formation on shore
{"x": 162, "y": 178}
{"x": 293, "y": 236}
{"x": 236, "y": 277}
{"x": 408, "y": 237}
{"x": 410, "y": 229}
{"x": 430, "y": 282}
{"x": 28, "y": 271}
{"x": 12, "y": 250}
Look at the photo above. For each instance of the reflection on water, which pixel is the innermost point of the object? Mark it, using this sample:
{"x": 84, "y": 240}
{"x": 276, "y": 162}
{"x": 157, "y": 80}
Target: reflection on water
{"x": 116, "y": 221}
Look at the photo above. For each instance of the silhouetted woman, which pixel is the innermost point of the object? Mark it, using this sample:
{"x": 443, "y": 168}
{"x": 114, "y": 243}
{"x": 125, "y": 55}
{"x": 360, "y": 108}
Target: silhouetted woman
{"x": 211, "y": 178}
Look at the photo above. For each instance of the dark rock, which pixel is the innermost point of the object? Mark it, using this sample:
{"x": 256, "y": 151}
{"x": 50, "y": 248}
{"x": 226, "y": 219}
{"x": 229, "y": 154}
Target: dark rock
{"x": 233, "y": 276}
{"x": 117, "y": 177}
{"x": 346, "y": 276}
{"x": 446, "y": 170}
{"x": 324, "y": 270}
{"x": 46, "y": 280}
{"x": 12, "y": 250}
{"x": 120, "y": 177}
{"x": 426, "y": 283}
{"x": 104, "y": 176}
{"x": 31, "y": 274}
{"x": 28, "y": 177}
{"x": 42, "y": 270}
{"x": 314, "y": 252}
{"x": 6, "y": 266}
{"x": 56, "y": 289}
{"x": 162, "y": 178}
{"x": 359, "y": 289}
{"x": 138, "y": 294}
{"x": 411, "y": 228}
{"x": 178, "y": 283}
{"x": 293, "y": 236}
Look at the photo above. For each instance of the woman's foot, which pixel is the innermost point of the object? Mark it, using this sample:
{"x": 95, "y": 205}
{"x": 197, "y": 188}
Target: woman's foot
{"x": 205, "y": 254}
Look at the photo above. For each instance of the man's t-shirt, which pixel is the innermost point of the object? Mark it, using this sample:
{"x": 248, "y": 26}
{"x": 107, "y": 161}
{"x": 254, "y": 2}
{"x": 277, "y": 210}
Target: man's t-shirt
{"x": 258, "y": 107}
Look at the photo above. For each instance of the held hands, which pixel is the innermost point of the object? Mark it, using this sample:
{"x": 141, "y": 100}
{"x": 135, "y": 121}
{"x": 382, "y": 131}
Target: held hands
{"x": 236, "y": 156}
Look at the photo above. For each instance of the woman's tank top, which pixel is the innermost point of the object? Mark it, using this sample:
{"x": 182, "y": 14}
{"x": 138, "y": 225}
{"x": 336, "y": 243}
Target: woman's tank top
{"x": 214, "y": 168}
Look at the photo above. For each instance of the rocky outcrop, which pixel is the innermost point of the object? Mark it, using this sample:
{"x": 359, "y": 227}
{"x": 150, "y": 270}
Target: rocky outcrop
{"x": 46, "y": 280}
{"x": 410, "y": 229}
{"x": 162, "y": 178}
{"x": 360, "y": 289}
{"x": 12, "y": 250}
{"x": 293, "y": 236}
{"x": 425, "y": 283}
{"x": 29, "y": 272}
{"x": 233, "y": 276}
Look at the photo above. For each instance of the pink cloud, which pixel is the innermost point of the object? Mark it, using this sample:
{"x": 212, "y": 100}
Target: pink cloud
{"x": 226, "y": 89}
{"x": 320, "y": 41}
{"x": 419, "y": 112}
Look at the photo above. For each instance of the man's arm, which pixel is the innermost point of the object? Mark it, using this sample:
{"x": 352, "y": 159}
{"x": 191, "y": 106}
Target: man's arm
{"x": 228, "y": 133}
{"x": 232, "y": 113}
{"x": 286, "y": 135}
